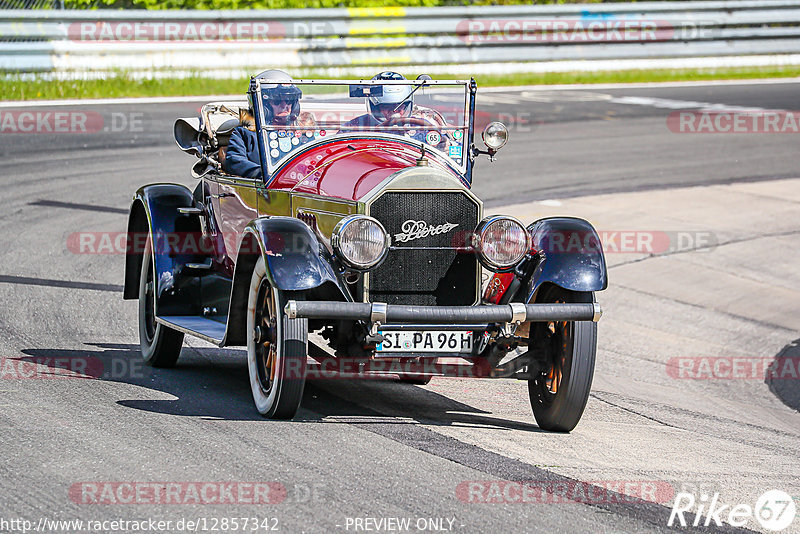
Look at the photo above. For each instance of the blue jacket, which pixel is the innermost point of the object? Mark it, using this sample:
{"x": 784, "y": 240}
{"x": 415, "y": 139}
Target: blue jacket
{"x": 242, "y": 157}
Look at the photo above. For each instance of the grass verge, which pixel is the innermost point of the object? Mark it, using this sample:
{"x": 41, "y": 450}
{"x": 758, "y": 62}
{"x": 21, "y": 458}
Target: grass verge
{"x": 123, "y": 85}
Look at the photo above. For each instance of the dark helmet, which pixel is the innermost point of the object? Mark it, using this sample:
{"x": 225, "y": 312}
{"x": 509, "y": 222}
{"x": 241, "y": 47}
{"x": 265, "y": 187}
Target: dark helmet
{"x": 282, "y": 88}
{"x": 400, "y": 95}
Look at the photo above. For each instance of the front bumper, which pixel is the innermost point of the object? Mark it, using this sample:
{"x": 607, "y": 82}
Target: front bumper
{"x": 378, "y": 312}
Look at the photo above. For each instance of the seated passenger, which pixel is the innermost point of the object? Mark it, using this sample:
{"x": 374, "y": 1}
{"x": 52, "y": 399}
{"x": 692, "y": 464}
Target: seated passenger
{"x": 241, "y": 157}
{"x": 281, "y": 107}
{"x": 395, "y": 103}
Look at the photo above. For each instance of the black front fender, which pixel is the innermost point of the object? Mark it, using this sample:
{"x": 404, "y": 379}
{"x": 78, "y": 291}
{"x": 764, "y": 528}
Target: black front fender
{"x": 294, "y": 257}
{"x": 572, "y": 255}
{"x": 295, "y": 261}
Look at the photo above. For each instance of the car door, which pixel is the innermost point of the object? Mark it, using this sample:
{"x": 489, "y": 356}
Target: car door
{"x": 238, "y": 205}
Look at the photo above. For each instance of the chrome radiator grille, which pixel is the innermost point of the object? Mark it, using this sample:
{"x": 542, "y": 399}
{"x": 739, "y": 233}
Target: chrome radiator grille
{"x": 426, "y": 270}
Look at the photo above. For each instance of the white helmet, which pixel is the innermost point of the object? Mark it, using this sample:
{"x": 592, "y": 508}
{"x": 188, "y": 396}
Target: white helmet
{"x": 392, "y": 94}
{"x": 283, "y": 88}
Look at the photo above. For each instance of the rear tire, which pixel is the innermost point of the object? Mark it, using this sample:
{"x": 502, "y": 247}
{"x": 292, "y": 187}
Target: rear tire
{"x": 160, "y": 345}
{"x": 559, "y": 392}
{"x": 276, "y": 349}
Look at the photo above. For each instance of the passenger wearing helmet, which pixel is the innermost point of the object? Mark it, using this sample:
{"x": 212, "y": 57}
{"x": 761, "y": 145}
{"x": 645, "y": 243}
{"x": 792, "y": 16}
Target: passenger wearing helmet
{"x": 392, "y": 105}
{"x": 281, "y": 100}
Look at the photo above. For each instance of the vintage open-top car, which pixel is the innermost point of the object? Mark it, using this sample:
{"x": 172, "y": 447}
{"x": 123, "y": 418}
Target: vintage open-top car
{"x": 358, "y": 228}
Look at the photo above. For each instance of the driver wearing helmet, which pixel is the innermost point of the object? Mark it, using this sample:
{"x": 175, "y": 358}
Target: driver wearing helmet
{"x": 395, "y": 103}
{"x": 281, "y": 107}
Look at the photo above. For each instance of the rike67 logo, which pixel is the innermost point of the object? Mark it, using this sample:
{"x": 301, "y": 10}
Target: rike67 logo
{"x": 775, "y": 510}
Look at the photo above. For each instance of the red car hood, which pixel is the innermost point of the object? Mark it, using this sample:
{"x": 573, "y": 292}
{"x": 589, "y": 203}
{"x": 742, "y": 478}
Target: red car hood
{"x": 348, "y": 168}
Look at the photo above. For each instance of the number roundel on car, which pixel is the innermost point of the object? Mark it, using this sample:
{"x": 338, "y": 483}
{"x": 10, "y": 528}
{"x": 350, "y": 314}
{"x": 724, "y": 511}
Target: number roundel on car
{"x": 433, "y": 138}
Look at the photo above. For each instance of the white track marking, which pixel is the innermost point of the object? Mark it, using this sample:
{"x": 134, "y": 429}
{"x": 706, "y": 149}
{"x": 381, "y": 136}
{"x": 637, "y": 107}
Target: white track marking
{"x": 668, "y": 103}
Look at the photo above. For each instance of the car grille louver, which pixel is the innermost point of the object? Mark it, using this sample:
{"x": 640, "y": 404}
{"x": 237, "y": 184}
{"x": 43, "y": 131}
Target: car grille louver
{"x": 434, "y": 270}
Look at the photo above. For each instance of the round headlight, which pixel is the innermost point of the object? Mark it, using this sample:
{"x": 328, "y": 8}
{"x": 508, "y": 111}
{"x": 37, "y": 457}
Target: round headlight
{"x": 504, "y": 241}
{"x": 361, "y": 242}
{"x": 495, "y": 135}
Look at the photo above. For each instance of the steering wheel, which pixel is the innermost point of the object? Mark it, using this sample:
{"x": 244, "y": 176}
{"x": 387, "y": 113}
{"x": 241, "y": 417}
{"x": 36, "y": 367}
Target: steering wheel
{"x": 418, "y": 122}
{"x": 411, "y": 121}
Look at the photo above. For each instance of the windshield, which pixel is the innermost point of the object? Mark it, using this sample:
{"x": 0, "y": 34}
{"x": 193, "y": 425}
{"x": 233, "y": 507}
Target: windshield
{"x": 425, "y": 112}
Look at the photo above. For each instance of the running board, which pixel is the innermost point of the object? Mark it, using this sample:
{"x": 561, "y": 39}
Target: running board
{"x": 202, "y": 327}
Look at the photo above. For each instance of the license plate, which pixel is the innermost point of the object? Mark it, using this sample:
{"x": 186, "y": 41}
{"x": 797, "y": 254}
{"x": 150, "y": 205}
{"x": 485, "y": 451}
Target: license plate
{"x": 426, "y": 341}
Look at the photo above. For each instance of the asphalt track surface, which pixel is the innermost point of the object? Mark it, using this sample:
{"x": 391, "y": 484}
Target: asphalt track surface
{"x": 374, "y": 449}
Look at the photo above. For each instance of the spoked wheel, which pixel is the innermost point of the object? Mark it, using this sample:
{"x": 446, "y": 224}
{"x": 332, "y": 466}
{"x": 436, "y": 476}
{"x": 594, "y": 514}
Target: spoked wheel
{"x": 559, "y": 391}
{"x": 160, "y": 344}
{"x": 276, "y": 350}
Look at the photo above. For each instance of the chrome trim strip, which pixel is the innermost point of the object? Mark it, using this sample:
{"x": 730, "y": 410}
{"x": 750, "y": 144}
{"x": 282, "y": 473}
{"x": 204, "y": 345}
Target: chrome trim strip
{"x": 302, "y": 81}
{"x": 314, "y": 211}
{"x": 236, "y": 181}
{"x": 598, "y": 312}
{"x": 378, "y": 312}
{"x": 191, "y": 211}
{"x": 319, "y": 198}
{"x": 518, "y": 312}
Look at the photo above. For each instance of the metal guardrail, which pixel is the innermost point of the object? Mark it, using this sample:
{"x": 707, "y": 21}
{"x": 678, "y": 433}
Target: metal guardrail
{"x": 101, "y": 40}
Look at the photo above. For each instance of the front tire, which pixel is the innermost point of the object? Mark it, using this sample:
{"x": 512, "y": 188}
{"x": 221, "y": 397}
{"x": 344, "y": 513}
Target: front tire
{"x": 276, "y": 349}
{"x": 560, "y": 390}
{"x": 160, "y": 344}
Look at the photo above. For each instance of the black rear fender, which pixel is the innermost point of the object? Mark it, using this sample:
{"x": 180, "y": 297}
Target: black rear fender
{"x": 154, "y": 214}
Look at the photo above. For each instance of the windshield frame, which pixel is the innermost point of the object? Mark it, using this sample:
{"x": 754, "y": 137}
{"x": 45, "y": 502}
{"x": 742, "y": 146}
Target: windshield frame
{"x": 270, "y": 168}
